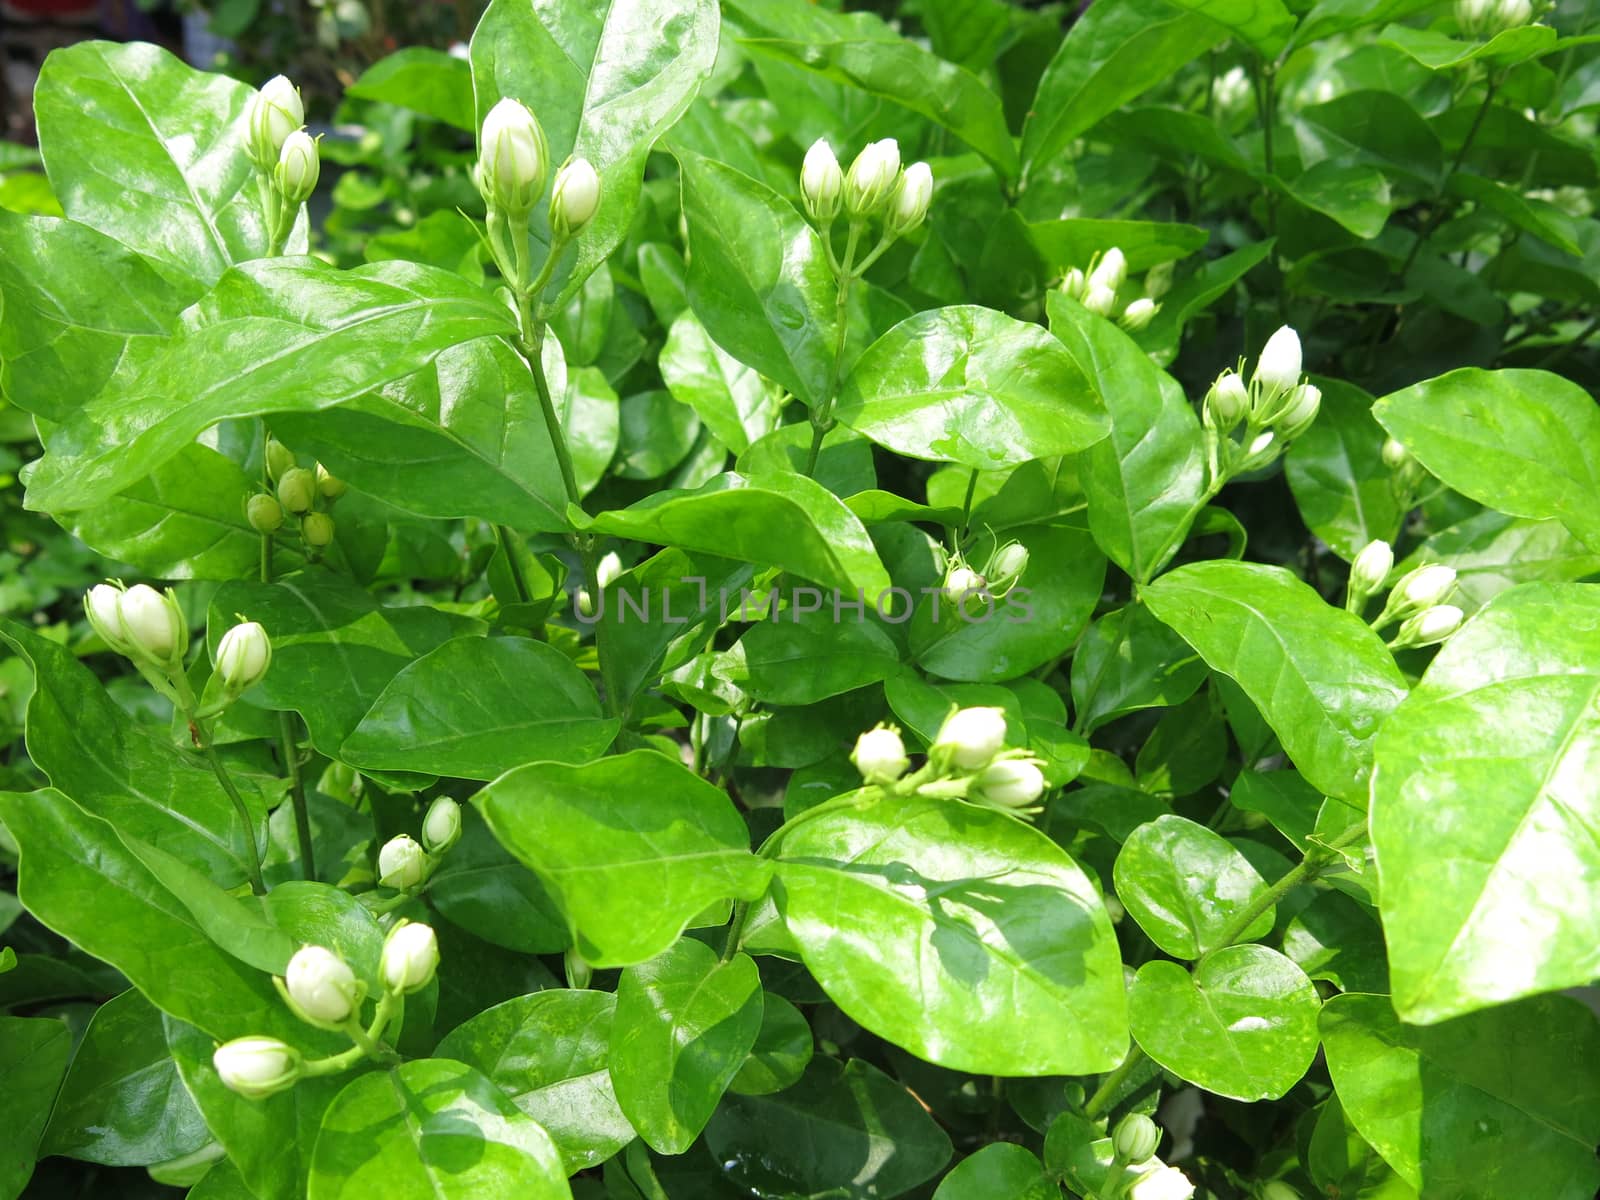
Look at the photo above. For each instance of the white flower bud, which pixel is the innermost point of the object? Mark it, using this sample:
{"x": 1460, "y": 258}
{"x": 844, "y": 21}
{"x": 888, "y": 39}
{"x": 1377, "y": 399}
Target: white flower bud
{"x": 1371, "y": 567}
{"x": 1510, "y": 14}
{"x": 257, "y": 1067}
{"x": 402, "y": 864}
{"x": 317, "y": 529}
{"x": 821, "y": 182}
{"x": 1279, "y": 1190}
{"x": 1395, "y": 455}
{"x": 279, "y": 458}
{"x": 871, "y": 179}
{"x": 972, "y": 736}
{"x": 102, "y": 605}
{"x": 297, "y": 489}
{"x": 961, "y": 582}
{"x": 1158, "y": 280}
{"x": 264, "y": 513}
{"x": 1111, "y": 270}
{"x": 1426, "y": 586}
{"x": 1430, "y": 625}
{"x": 1231, "y": 89}
{"x": 512, "y": 158}
{"x": 574, "y": 197}
{"x": 410, "y": 957}
{"x": 880, "y": 755}
{"x": 243, "y": 656}
{"x": 1300, "y": 411}
{"x": 153, "y": 625}
{"x": 609, "y": 568}
{"x": 1011, "y": 783}
{"x": 1278, "y": 368}
{"x": 1471, "y": 15}
{"x": 1099, "y": 299}
{"x": 441, "y": 828}
{"x": 321, "y": 986}
{"x": 908, "y": 205}
{"x": 1135, "y": 1138}
{"x": 330, "y": 485}
{"x": 1008, "y": 563}
{"x": 298, "y": 167}
{"x": 1139, "y": 313}
{"x": 274, "y": 113}
{"x": 1163, "y": 1183}
{"x": 1261, "y": 445}
{"x": 1074, "y": 284}
{"x": 1228, "y": 401}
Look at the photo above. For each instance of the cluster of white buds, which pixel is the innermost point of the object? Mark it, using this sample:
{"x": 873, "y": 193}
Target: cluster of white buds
{"x": 140, "y": 624}
{"x": 1418, "y": 602}
{"x": 284, "y": 154}
{"x": 297, "y": 493}
{"x": 1486, "y": 18}
{"x": 404, "y": 864}
{"x": 1406, "y": 474}
{"x": 875, "y": 186}
{"x": 968, "y": 760}
{"x": 962, "y": 584}
{"x": 1274, "y": 408}
{"x": 1098, "y": 288}
{"x": 1230, "y": 91}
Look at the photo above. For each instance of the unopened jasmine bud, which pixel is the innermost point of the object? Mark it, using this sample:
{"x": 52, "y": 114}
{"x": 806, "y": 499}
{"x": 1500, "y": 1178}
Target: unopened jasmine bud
{"x": 1261, "y": 445}
{"x": 264, "y": 513}
{"x": 1300, "y": 412}
{"x": 1136, "y": 1138}
{"x": 1111, "y": 270}
{"x": 331, "y": 486}
{"x": 274, "y": 113}
{"x": 512, "y": 158}
{"x": 1473, "y": 15}
{"x": 153, "y": 625}
{"x": 1371, "y": 567}
{"x": 402, "y": 864}
{"x": 1099, "y": 299}
{"x": 243, "y": 655}
{"x": 880, "y": 755}
{"x": 1013, "y": 783}
{"x": 1227, "y": 401}
{"x": 585, "y": 602}
{"x": 1162, "y": 1183}
{"x": 317, "y": 529}
{"x": 1429, "y": 626}
{"x": 1139, "y": 313}
{"x": 1278, "y": 368}
{"x": 1279, "y": 1190}
{"x": 297, "y": 489}
{"x": 320, "y": 986}
{"x": 574, "y": 197}
{"x": 102, "y": 605}
{"x": 610, "y": 567}
{"x": 298, "y": 168}
{"x": 1008, "y": 564}
{"x": 872, "y": 178}
{"x": 1426, "y": 586}
{"x": 410, "y": 958}
{"x": 821, "y": 182}
{"x": 1158, "y": 280}
{"x": 1395, "y": 455}
{"x": 971, "y": 737}
{"x": 441, "y": 828}
{"x": 961, "y": 581}
{"x": 1510, "y": 14}
{"x": 912, "y": 194}
{"x": 1074, "y": 284}
{"x": 257, "y": 1067}
{"x": 279, "y": 458}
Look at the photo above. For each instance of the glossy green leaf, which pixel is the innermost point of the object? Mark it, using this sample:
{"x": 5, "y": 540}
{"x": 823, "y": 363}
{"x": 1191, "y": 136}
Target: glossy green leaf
{"x": 751, "y": 253}
{"x": 848, "y": 1130}
{"x": 178, "y": 132}
{"x": 733, "y": 401}
{"x": 655, "y": 434}
{"x": 483, "y": 889}
{"x": 1491, "y": 552}
{"x": 1335, "y": 469}
{"x": 1481, "y": 805}
{"x": 782, "y": 1050}
{"x": 1127, "y": 661}
{"x": 773, "y": 518}
{"x": 1243, "y": 1026}
{"x": 33, "y": 1056}
{"x": 1439, "y": 52}
{"x": 1263, "y": 25}
{"x": 1375, "y": 127}
{"x": 795, "y": 659}
{"x": 606, "y": 83}
{"x": 1320, "y": 677}
{"x": 972, "y": 386}
{"x": 1425, "y": 1096}
{"x": 1524, "y": 442}
{"x": 1145, "y": 481}
{"x": 549, "y": 1052}
{"x": 999, "y": 1171}
{"x": 1337, "y": 939}
{"x": 958, "y": 933}
{"x": 1074, "y": 241}
{"x": 1185, "y": 885}
{"x": 476, "y": 707}
{"x": 277, "y": 335}
{"x": 423, "y": 79}
{"x": 684, "y": 1023}
{"x": 602, "y": 835}
{"x": 433, "y": 1129}
{"x": 1355, "y": 195}
{"x": 122, "y": 1102}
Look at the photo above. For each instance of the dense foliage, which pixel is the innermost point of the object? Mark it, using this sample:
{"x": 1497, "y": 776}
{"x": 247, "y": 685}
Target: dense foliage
{"x": 704, "y": 603}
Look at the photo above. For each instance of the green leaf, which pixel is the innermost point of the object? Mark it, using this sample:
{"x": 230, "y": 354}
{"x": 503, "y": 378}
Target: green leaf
{"x": 1335, "y": 469}
{"x": 1538, "y": 217}
{"x": 683, "y": 1026}
{"x": 483, "y": 889}
{"x": 464, "y": 436}
{"x": 972, "y": 386}
{"x": 603, "y": 835}
{"x": 1112, "y": 54}
{"x": 773, "y": 518}
{"x": 147, "y": 150}
{"x": 1184, "y": 885}
{"x": 1243, "y": 1026}
{"x": 861, "y": 50}
{"x": 1482, "y": 805}
{"x": 605, "y": 83}
{"x": 431, "y": 1128}
{"x": 548, "y": 1052}
{"x": 999, "y": 1171}
{"x": 476, "y": 707}
{"x": 334, "y": 647}
{"x": 736, "y": 404}
{"x": 958, "y": 933}
{"x": 1145, "y": 482}
{"x": 845, "y": 1130}
{"x": 278, "y": 335}
{"x": 1320, "y": 677}
{"x": 1524, "y": 442}
{"x": 33, "y": 1057}
{"x": 1127, "y": 661}
{"x": 759, "y": 279}
{"x": 1424, "y": 1096}
{"x": 1335, "y": 938}
{"x": 77, "y": 303}
{"x": 1374, "y": 127}
{"x": 1438, "y": 52}
{"x": 122, "y": 1103}
{"x": 1491, "y": 552}
{"x": 655, "y": 434}
{"x": 783, "y": 1049}
{"x": 1264, "y": 25}
{"x": 1073, "y": 241}
{"x": 1283, "y": 797}
{"x": 796, "y": 661}
{"x": 125, "y": 772}
{"x": 1355, "y": 195}
{"x": 423, "y": 79}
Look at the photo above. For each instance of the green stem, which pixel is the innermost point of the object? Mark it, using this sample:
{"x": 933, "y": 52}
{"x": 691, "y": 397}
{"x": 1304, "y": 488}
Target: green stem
{"x": 519, "y": 581}
{"x": 1101, "y": 1100}
{"x": 823, "y": 421}
{"x": 741, "y": 914}
{"x": 297, "y": 795}
{"x": 239, "y": 806}
{"x": 966, "y": 503}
